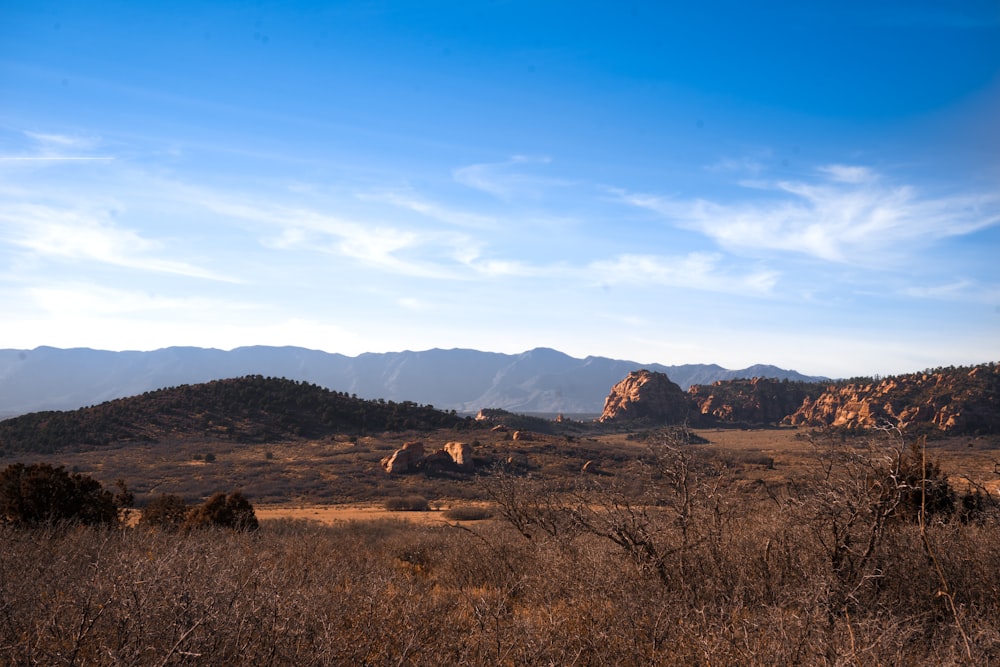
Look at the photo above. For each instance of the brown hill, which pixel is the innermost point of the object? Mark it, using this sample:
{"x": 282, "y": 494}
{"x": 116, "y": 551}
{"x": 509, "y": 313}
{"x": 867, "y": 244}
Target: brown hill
{"x": 248, "y": 409}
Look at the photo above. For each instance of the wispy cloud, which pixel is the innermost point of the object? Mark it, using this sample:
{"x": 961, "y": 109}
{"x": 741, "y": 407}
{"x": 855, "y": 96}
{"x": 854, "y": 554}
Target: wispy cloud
{"x": 83, "y": 234}
{"x": 92, "y": 300}
{"x": 508, "y": 178}
{"x": 958, "y": 290}
{"x": 750, "y": 165}
{"x": 379, "y": 245}
{"x": 57, "y": 147}
{"x": 411, "y": 201}
{"x": 699, "y": 271}
{"x": 849, "y": 214}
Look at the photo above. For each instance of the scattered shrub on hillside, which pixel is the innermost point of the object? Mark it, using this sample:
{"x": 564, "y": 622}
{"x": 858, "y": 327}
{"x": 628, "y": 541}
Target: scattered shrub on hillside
{"x": 407, "y": 504}
{"x": 40, "y": 494}
{"x": 232, "y": 511}
{"x": 167, "y": 512}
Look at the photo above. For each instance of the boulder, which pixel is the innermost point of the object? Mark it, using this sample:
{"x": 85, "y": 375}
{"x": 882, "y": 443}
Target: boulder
{"x": 412, "y": 457}
{"x": 460, "y": 453}
{"x": 404, "y": 459}
{"x": 438, "y": 459}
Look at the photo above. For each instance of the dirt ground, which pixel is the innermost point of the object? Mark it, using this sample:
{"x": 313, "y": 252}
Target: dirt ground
{"x": 333, "y": 514}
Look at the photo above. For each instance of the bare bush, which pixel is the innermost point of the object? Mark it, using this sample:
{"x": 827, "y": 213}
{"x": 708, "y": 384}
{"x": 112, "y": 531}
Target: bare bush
{"x": 407, "y": 504}
{"x": 678, "y": 564}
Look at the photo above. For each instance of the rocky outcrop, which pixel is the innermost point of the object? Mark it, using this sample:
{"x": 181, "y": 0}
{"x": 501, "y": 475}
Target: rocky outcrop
{"x": 953, "y": 400}
{"x": 404, "y": 459}
{"x": 961, "y": 400}
{"x": 412, "y": 457}
{"x": 754, "y": 401}
{"x": 647, "y": 397}
{"x": 460, "y": 454}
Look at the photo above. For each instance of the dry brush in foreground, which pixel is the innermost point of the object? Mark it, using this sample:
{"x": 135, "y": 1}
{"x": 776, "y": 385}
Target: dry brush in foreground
{"x": 683, "y": 568}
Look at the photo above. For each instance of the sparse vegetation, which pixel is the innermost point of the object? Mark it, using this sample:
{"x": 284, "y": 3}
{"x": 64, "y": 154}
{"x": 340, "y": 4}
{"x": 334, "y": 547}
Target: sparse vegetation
{"x": 40, "y": 494}
{"x": 468, "y": 513}
{"x": 684, "y": 550}
{"x": 814, "y": 573}
{"x": 249, "y": 409}
{"x": 166, "y": 512}
{"x": 407, "y": 504}
{"x": 222, "y": 511}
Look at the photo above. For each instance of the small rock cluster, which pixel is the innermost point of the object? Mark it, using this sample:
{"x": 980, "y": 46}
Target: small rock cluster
{"x": 412, "y": 457}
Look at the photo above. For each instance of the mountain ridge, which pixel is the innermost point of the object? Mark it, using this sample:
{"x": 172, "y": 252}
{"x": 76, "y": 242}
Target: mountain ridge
{"x": 540, "y": 380}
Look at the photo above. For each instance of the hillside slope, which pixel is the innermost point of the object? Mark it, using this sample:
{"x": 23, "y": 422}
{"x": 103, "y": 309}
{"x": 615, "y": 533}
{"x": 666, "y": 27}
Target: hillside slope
{"x": 248, "y": 409}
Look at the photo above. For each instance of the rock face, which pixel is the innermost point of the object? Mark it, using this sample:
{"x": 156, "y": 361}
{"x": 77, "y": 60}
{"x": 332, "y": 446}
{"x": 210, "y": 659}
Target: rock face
{"x": 953, "y": 400}
{"x": 460, "y": 453}
{"x": 412, "y": 457}
{"x": 755, "y": 401}
{"x": 404, "y": 459}
{"x": 646, "y": 396}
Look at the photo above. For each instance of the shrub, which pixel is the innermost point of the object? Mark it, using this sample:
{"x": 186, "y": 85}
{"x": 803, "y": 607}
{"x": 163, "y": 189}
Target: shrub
{"x": 232, "y": 511}
{"x": 40, "y": 494}
{"x": 468, "y": 513}
{"x": 407, "y": 504}
{"x": 166, "y": 511}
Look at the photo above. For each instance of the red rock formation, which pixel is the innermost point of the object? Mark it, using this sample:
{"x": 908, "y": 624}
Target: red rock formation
{"x": 411, "y": 457}
{"x": 755, "y": 401}
{"x": 648, "y": 397}
{"x": 954, "y": 400}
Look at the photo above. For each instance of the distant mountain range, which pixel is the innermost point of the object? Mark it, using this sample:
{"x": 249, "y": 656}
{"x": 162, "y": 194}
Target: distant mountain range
{"x": 537, "y": 381}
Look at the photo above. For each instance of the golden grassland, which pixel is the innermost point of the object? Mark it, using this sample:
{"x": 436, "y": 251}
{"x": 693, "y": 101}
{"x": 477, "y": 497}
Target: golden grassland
{"x": 756, "y": 548}
{"x": 342, "y": 471}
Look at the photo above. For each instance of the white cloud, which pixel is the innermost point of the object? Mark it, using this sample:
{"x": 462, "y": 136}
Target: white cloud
{"x": 57, "y": 147}
{"x": 62, "y": 141}
{"x": 958, "y": 290}
{"x": 412, "y": 202}
{"x": 848, "y": 216}
{"x": 382, "y": 246}
{"x": 504, "y": 180}
{"x": 86, "y": 234}
{"x": 698, "y": 271}
{"x": 848, "y": 174}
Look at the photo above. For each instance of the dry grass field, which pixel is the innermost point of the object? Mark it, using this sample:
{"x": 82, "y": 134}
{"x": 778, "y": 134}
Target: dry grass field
{"x": 758, "y": 547}
{"x": 341, "y": 471}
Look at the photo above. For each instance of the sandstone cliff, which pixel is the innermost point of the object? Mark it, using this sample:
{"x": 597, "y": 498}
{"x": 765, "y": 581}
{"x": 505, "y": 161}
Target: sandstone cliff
{"x": 648, "y": 397}
{"x": 960, "y": 400}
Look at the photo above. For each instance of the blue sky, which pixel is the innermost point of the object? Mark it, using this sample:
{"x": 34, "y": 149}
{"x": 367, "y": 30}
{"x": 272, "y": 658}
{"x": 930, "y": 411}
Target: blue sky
{"x": 813, "y": 185}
